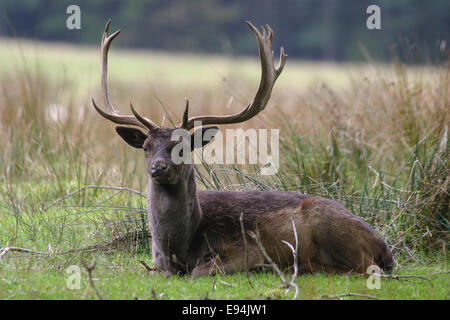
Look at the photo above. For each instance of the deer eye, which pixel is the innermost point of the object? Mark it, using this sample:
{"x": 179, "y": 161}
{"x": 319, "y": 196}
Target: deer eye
{"x": 145, "y": 147}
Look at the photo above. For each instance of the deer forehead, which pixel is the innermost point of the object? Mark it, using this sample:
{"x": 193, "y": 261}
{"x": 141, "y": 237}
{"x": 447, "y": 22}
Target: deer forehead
{"x": 161, "y": 137}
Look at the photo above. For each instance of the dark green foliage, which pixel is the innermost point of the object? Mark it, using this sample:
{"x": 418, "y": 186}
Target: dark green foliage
{"x": 413, "y": 30}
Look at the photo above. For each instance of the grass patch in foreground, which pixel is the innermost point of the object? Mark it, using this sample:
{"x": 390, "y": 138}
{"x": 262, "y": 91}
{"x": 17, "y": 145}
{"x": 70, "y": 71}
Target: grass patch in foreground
{"x": 121, "y": 276}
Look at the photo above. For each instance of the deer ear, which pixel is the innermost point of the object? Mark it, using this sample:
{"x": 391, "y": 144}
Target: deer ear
{"x": 201, "y": 137}
{"x": 132, "y": 136}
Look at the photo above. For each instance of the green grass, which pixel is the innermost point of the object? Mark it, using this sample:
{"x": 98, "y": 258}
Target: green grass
{"x": 374, "y": 137}
{"x": 121, "y": 276}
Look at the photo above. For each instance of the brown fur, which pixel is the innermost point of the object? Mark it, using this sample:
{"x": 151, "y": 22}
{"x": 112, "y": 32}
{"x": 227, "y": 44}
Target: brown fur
{"x": 200, "y": 232}
{"x": 331, "y": 239}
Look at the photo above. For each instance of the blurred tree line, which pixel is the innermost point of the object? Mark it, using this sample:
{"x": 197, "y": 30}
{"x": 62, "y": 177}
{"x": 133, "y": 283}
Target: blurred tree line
{"x": 413, "y": 30}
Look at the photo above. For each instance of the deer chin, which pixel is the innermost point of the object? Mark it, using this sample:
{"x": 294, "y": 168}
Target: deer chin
{"x": 164, "y": 180}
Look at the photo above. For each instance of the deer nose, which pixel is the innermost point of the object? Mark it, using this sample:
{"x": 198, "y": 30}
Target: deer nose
{"x": 159, "y": 168}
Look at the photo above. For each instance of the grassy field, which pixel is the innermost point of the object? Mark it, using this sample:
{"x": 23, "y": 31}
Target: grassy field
{"x": 120, "y": 276}
{"x": 374, "y": 137}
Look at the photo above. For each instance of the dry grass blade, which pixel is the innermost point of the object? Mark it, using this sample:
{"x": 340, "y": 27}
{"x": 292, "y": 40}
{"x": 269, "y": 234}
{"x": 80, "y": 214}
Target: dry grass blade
{"x": 225, "y": 283}
{"x": 274, "y": 266}
{"x": 124, "y": 189}
{"x": 402, "y": 277}
{"x": 350, "y": 294}
{"x": 4, "y": 251}
{"x": 146, "y": 266}
{"x": 292, "y": 283}
{"x": 244, "y": 238}
{"x": 89, "y": 270}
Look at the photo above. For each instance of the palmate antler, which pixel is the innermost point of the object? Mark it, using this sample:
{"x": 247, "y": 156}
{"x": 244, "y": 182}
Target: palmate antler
{"x": 269, "y": 74}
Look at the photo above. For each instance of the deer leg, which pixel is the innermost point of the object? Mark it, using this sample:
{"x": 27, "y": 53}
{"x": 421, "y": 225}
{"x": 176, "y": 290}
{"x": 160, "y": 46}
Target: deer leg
{"x": 312, "y": 267}
{"x": 235, "y": 260}
{"x": 206, "y": 268}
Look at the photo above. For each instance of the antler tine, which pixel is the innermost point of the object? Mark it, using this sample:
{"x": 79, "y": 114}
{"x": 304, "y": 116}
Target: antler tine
{"x": 185, "y": 121}
{"x": 106, "y": 43}
{"x": 146, "y": 122}
{"x": 269, "y": 29}
{"x": 269, "y": 74}
{"x": 131, "y": 120}
{"x": 111, "y": 114}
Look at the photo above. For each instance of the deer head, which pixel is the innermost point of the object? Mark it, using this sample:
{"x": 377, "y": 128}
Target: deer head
{"x": 157, "y": 142}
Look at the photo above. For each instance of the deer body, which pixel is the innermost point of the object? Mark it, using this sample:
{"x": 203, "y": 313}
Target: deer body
{"x": 200, "y": 232}
{"x": 207, "y": 237}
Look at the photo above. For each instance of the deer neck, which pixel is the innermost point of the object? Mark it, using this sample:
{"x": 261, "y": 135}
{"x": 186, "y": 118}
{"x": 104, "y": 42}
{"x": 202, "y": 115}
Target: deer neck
{"x": 174, "y": 215}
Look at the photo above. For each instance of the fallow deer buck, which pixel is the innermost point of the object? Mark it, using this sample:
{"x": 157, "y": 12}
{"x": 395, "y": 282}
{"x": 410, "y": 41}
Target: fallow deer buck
{"x": 199, "y": 232}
